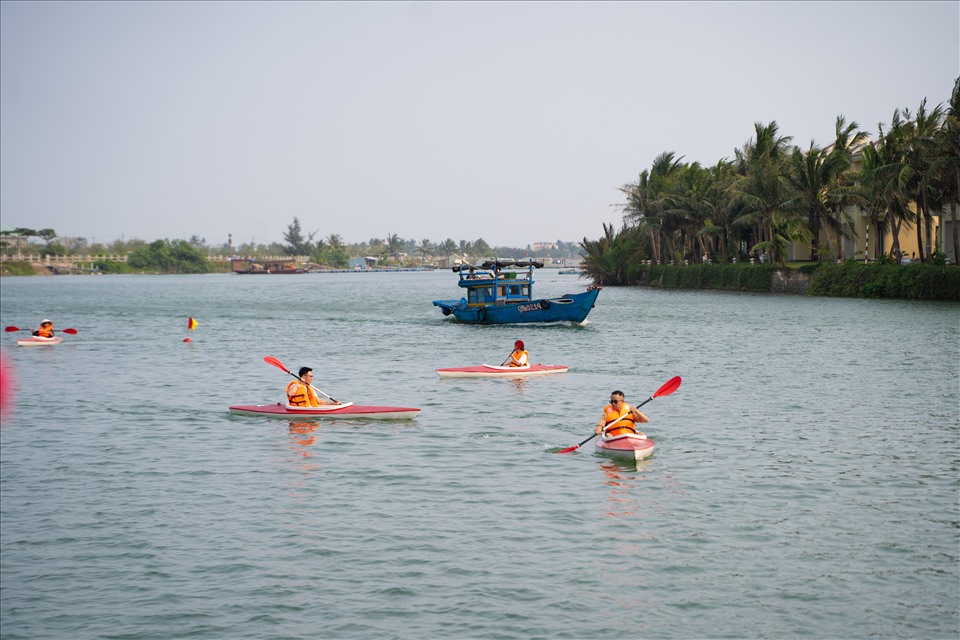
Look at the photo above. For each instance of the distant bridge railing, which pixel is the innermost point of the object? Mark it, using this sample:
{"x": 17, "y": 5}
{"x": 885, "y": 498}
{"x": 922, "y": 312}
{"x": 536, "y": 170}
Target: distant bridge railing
{"x": 69, "y": 261}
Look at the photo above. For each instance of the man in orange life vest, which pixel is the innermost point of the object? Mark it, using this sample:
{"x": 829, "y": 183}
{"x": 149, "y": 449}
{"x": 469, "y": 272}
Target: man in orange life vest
{"x": 623, "y": 414}
{"x": 45, "y": 330}
{"x": 519, "y": 357}
{"x": 300, "y": 392}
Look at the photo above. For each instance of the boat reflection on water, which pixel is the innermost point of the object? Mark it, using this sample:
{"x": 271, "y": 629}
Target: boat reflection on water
{"x": 304, "y": 430}
{"x": 624, "y": 479}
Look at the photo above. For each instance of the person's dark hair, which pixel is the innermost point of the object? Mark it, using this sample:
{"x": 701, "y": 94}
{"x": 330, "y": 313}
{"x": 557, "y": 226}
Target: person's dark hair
{"x": 304, "y": 371}
{"x": 617, "y": 393}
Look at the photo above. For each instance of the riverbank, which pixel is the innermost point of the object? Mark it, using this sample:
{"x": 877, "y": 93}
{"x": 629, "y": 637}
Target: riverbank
{"x": 848, "y": 280}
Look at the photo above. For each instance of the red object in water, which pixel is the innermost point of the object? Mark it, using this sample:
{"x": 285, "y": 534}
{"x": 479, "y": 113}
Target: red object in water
{"x": 6, "y": 385}
{"x": 187, "y": 340}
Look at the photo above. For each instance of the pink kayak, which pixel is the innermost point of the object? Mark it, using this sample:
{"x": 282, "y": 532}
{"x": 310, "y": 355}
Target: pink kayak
{"x": 36, "y": 341}
{"x": 493, "y": 371}
{"x": 626, "y": 445}
{"x": 345, "y": 410}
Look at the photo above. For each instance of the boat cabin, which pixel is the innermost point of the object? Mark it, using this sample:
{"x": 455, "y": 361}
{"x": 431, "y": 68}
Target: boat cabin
{"x": 491, "y": 284}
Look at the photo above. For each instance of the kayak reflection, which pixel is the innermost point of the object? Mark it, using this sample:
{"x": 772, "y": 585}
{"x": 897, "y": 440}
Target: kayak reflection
{"x": 305, "y": 431}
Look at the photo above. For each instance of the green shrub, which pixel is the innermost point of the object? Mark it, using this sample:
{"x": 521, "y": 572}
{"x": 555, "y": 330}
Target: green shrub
{"x": 112, "y": 266}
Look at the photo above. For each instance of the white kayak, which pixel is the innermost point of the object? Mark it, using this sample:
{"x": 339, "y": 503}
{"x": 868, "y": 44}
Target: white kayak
{"x": 494, "y": 371}
{"x": 38, "y": 341}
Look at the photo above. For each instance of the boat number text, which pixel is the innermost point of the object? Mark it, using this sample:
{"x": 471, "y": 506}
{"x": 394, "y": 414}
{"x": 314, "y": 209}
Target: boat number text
{"x": 523, "y": 308}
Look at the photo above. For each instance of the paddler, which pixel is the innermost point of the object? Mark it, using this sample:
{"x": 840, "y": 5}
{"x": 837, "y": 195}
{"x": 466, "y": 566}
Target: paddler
{"x": 519, "y": 357}
{"x": 300, "y": 392}
{"x": 623, "y": 414}
{"x": 45, "y": 330}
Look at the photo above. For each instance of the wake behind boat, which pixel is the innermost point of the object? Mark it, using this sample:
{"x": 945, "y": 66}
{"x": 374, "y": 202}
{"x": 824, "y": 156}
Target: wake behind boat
{"x": 496, "y": 296}
{"x": 494, "y": 371}
{"x": 345, "y": 410}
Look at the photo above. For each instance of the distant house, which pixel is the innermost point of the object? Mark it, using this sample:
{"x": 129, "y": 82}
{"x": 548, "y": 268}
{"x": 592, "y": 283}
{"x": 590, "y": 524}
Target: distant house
{"x": 366, "y": 262}
{"x": 13, "y": 243}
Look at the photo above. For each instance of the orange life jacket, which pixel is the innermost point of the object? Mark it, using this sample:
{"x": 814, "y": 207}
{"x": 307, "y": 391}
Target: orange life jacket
{"x": 520, "y": 356}
{"x": 626, "y": 425}
{"x": 44, "y": 333}
{"x": 301, "y": 395}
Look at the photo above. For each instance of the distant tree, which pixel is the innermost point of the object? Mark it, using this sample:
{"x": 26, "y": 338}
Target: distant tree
{"x": 425, "y": 248}
{"x": 197, "y": 241}
{"x": 448, "y": 247}
{"x": 482, "y": 249}
{"x": 297, "y": 244}
{"x": 394, "y": 245}
{"x": 47, "y": 235}
{"x": 165, "y": 256}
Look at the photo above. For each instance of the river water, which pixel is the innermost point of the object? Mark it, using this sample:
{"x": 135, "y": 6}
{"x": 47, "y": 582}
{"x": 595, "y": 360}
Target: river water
{"x": 805, "y": 483}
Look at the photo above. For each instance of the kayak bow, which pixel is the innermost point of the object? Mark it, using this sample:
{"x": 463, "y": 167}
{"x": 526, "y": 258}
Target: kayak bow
{"x": 627, "y": 445}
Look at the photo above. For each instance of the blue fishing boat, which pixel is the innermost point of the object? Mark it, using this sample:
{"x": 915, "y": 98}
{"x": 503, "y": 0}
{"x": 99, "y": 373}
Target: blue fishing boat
{"x": 495, "y": 295}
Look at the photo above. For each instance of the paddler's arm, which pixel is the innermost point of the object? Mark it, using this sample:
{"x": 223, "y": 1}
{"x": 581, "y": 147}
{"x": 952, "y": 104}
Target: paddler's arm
{"x": 639, "y": 416}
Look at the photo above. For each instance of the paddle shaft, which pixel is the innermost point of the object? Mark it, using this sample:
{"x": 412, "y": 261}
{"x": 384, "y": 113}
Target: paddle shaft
{"x": 70, "y": 330}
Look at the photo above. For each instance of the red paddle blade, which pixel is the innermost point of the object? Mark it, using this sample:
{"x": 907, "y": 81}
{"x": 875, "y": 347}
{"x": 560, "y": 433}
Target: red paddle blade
{"x": 12, "y": 329}
{"x": 569, "y": 449}
{"x": 669, "y": 387}
{"x": 71, "y": 331}
{"x": 275, "y": 362}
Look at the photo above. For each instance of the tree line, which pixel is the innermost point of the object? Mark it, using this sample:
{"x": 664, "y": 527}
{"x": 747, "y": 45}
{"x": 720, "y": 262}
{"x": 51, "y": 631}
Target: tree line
{"x": 773, "y": 193}
{"x": 332, "y": 251}
{"x": 189, "y": 256}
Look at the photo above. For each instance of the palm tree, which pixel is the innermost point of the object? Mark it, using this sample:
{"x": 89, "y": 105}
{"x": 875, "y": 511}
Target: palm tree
{"x": 394, "y": 246}
{"x": 813, "y": 175}
{"x": 947, "y": 164}
{"x": 764, "y": 191}
{"x": 919, "y": 174}
{"x": 848, "y": 140}
{"x": 610, "y": 259}
{"x": 646, "y": 207}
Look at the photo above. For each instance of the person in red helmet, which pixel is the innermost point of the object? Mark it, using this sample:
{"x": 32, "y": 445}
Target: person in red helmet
{"x": 519, "y": 357}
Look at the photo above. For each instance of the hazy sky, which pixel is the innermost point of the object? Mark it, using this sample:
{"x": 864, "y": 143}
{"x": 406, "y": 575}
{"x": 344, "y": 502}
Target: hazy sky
{"x": 515, "y": 122}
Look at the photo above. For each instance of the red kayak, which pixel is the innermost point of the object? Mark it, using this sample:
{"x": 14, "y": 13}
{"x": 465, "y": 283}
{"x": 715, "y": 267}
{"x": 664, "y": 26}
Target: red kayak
{"x": 627, "y": 445}
{"x": 493, "y": 371}
{"x": 345, "y": 410}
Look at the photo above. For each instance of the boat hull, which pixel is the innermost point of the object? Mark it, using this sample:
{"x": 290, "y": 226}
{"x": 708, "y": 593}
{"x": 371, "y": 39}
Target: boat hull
{"x": 282, "y": 411}
{"x": 492, "y": 371}
{"x": 627, "y": 446}
{"x": 572, "y": 307}
{"x": 37, "y": 341}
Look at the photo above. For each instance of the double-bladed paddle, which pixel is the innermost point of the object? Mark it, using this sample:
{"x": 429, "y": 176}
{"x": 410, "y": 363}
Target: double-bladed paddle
{"x": 669, "y": 387}
{"x": 71, "y": 331}
{"x": 279, "y": 365}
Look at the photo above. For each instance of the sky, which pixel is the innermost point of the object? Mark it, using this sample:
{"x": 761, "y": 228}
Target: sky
{"x": 514, "y": 122}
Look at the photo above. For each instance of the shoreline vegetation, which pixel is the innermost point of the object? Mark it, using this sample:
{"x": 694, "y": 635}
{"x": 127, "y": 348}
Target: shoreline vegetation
{"x": 883, "y": 201}
{"x": 849, "y": 279}
{"x": 844, "y": 216}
